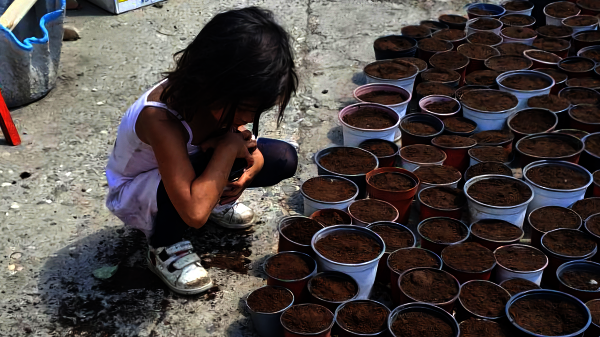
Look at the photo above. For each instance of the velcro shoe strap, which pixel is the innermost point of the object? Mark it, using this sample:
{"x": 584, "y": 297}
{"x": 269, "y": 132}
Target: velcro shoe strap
{"x": 186, "y": 261}
{"x": 182, "y": 246}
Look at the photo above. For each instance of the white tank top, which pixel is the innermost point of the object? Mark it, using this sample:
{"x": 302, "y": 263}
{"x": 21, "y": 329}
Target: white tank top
{"x": 132, "y": 170}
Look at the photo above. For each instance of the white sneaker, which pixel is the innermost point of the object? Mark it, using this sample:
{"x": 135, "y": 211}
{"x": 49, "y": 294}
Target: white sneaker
{"x": 236, "y": 216}
{"x": 179, "y": 268}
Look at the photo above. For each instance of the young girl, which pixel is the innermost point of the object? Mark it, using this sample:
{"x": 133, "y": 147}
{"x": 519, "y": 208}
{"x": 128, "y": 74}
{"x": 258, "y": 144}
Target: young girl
{"x": 171, "y": 167}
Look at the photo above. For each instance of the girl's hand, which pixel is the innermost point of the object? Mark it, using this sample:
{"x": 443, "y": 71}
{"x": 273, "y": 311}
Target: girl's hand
{"x": 235, "y": 140}
{"x": 235, "y": 189}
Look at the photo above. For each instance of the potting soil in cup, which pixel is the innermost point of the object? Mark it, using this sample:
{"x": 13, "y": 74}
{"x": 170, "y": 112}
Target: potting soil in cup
{"x": 587, "y": 82}
{"x": 287, "y": 267}
{"x": 562, "y": 9}
{"x": 586, "y": 207}
{"x": 442, "y": 107}
{"x": 329, "y": 217}
{"x": 482, "y": 77}
{"x": 269, "y": 299}
{"x": 449, "y": 60}
{"x": 573, "y": 132}
{"x": 478, "y": 327}
{"x": 532, "y": 121}
{"x": 593, "y": 225}
{"x": 420, "y": 153}
{"x": 383, "y": 97}
{"x": 518, "y": 285}
{"x": 443, "y": 197}
{"x": 549, "y": 218}
{"x": 437, "y": 174}
{"x": 392, "y": 181}
{"x": 309, "y": 318}
{"x": 429, "y": 285}
{"x": 557, "y": 177}
{"x": 419, "y": 128}
{"x": 301, "y": 230}
{"x": 541, "y": 55}
{"x": 508, "y": 63}
{"x": 586, "y": 113}
{"x": 520, "y": 258}
{"x": 594, "y": 307}
{"x": 517, "y": 5}
{"x": 443, "y": 230}
{"x": 421, "y": 324}
{"x": 517, "y": 20}
{"x": 393, "y": 43}
{"x": 485, "y": 38}
{"x": 434, "y": 45}
{"x": 333, "y": 288}
{"x": 514, "y": 49}
{"x": 469, "y": 257}
{"x": 592, "y": 144}
{"x": 416, "y": 32}
{"x": 577, "y": 65}
{"x": 369, "y": 118}
{"x": 555, "y": 31}
{"x": 490, "y": 153}
{"x": 526, "y": 82}
{"x": 327, "y": 189}
{"x": 378, "y": 147}
{"x": 372, "y": 210}
{"x": 519, "y": 32}
{"x": 500, "y": 192}
{"x": 459, "y": 124}
{"x": 481, "y": 11}
{"x": 348, "y": 161}
{"x": 449, "y": 35}
{"x": 391, "y": 70}
{"x": 488, "y": 168}
{"x": 581, "y": 279}
{"x": 547, "y": 147}
{"x": 394, "y": 237}
{"x": 548, "y": 317}
{"x": 484, "y": 23}
{"x": 591, "y": 4}
{"x": 496, "y": 230}
{"x": 435, "y": 87}
{"x": 484, "y": 298}
{"x": 551, "y": 44}
{"x": 589, "y": 36}
{"x": 456, "y": 19}
{"x": 492, "y": 137}
{"x": 489, "y": 100}
{"x": 592, "y": 54}
{"x": 405, "y": 259}
{"x": 422, "y": 65}
{"x": 364, "y": 317}
{"x": 581, "y": 21}
{"x": 348, "y": 248}
{"x": 550, "y": 102}
{"x": 569, "y": 242}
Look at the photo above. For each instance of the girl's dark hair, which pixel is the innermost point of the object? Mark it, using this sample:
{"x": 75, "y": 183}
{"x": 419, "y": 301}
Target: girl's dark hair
{"x": 239, "y": 55}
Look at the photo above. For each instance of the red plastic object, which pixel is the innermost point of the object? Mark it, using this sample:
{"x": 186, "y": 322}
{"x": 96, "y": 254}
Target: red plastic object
{"x": 401, "y": 200}
{"x": 6, "y": 124}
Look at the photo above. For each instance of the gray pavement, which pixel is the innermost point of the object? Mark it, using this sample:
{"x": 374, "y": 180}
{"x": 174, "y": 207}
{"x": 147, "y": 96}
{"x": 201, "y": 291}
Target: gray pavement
{"x": 54, "y": 228}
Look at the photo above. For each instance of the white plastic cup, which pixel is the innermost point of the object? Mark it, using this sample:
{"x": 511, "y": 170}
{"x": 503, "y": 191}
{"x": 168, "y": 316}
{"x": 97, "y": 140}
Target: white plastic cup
{"x": 524, "y": 95}
{"x": 471, "y": 30}
{"x": 400, "y": 108}
{"x": 364, "y": 273}
{"x": 487, "y": 120}
{"x": 545, "y": 196}
{"x": 524, "y": 12}
{"x": 479, "y": 211}
{"x": 508, "y": 39}
{"x": 312, "y": 205}
{"x": 353, "y": 135}
{"x": 438, "y": 98}
{"x": 577, "y": 29}
{"x": 554, "y": 21}
{"x": 267, "y": 324}
{"x": 407, "y": 82}
{"x": 503, "y": 273}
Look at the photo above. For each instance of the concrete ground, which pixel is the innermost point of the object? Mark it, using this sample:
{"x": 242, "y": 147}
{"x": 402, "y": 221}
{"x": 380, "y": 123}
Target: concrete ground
{"x": 54, "y": 228}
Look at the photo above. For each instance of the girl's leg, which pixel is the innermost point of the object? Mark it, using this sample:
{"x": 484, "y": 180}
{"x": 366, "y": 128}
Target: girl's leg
{"x": 281, "y": 162}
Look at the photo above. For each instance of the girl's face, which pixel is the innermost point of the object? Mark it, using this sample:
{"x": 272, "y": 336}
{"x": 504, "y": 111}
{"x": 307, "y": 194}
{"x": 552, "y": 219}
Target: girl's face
{"x": 243, "y": 115}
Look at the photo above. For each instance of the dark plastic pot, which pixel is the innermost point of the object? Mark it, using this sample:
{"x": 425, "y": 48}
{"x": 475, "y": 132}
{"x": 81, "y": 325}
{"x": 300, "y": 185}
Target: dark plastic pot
{"x": 497, "y": 10}
{"x": 344, "y": 332}
{"x": 463, "y": 313}
{"x": 400, "y": 200}
{"x": 507, "y": 171}
{"x": 345, "y": 216}
{"x": 434, "y": 25}
{"x": 541, "y": 64}
{"x": 462, "y": 69}
{"x": 410, "y": 139}
{"x": 585, "y": 10}
{"x": 435, "y": 246}
{"x": 331, "y": 305}
{"x": 358, "y": 222}
{"x": 429, "y": 211}
{"x": 558, "y": 85}
{"x": 493, "y": 244}
{"x": 581, "y": 266}
{"x": 464, "y": 276}
{"x": 406, "y": 298}
{"x": 579, "y": 44}
{"x": 286, "y": 244}
{"x": 578, "y": 124}
{"x": 425, "y": 55}
{"x": 475, "y": 63}
{"x": 458, "y": 156}
{"x": 438, "y": 99}
{"x": 460, "y": 26}
{"x": 536, "y": 234}
{"x": 297, "y": 287}
{"x": 391, "y": 54}
{"x": 596, "y": 186}
{"x": 267, "y": 324}
{"x": 324, "y": 333}
{"x": 596, "y": 237}
{"x": 590, "y": 160}
{"x": 462, "y": 134}
{"x": 385, "y": 161}
{"x": 395, "y": 274}
{"x": 383, "y": 273}
{"x": 427, "y": 308}
{"x": 456, "y": 42}
{"x": 526, "y": 159}
{"x": 518, "y": 134}
{"x": 577, "y": 74}
{"x": 573, "y": 132}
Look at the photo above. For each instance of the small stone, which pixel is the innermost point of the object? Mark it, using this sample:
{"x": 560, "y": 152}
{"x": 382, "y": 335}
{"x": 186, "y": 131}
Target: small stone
{"x": 94, "y": 89}
{"x": 14, "y": 205}
{"x": 158, "y": 5}
{"x": 11, "y": 267}
{"x": 325, "y": 91}
{"x": 99, "y": 103}
{"x": 70, "y": 33}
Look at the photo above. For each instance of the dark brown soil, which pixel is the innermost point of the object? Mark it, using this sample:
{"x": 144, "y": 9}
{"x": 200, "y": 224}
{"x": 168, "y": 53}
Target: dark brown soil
{"x": 485, "y": 38}
{"x": 558, "y": 177}
{"x": 329, "y": 217}
{"x": 422, "y": 65}
{"x": 416, "y": 32}
{"x": 380, "y": 148}
{"x": 453, "y": 141}
{"x": 443, "y": 107}
{"x": 572, "y": 132}
{"x": 517, "y": 5}
{"x": 391, "y": 69}
{"x": 269, "y": 299}
{"x": 383, "y": 97}
{"x": 519, "y": 32}
{"x": 288, "y": 266}
{"x": 369, "y": 118}
{"x": 453, "y": 19}
{"x": 508, "y": 63}
{"x": 587, "y": 82}
{"x": 594, "y": 307}
{"x": 349, "y": 161}
{"x": 548, "y": 317}
{"x": 394, "y": 43}
{"x": 492, "y": 137}
{"x": 435, "y": 45}
{"x": 440, "y": 75}
{"x": 419, "y": 128}
{"x": 533, "y": 121}
{"x": 301, "y": 230}
{"x": 392, "y": 181}
{"x": 581, "y": 20}
{"x": 482, "y": 77}
{"x": 308, "y": 318}
{"x": 328, "y": 189}
{"x": 562, "y": 9}
{"x": 586, "y": 207}
{"x": 394, "y": 237}
{"x": 488, "y": 168}
{"x": 591, "y": 4}
{"x": 363, "y": 317}
{"x": 593, "y": 225}
{"x": 489, "y": 100}
{"x": 484, "y": 298}
{"x": 556, "y": 74}
{"x": 444, "y": 230}
{"x": 449, "y": 60}
{"x": 569, "y": 242}
{"x": 478, "y": 327}
{"x": 519, "y": 285}
{"x": 490, "y": 153}
{"x": 420, "y": 153}
{"x": 450, "y": 35}
{"x": 550, "y": 102}
{"x": 469, "y": 257}
{"x": 443, "y": 197}
{"x": 434, "y": 88}
{"x": 496, "y": 230}
{"x": 526, "y": 82}
{"x": 544, "y": 56}
{"x": 421, "y": 324}
{"x": 551, "y": 44}
{"x": 581, "y": 279}
{"x": 588, "y": 36}
{"x": 500, "y": 192}
{"x": 405, "y": 259}
{"x": 437, "y": 174}
{"x": 480, "y": 11}
{"x": 592, "y": 144}
{"x": 547, "y": 147}
{"x": 514, "y": 49}
{"x": 459, "y": 124}
{"x": 348, "y": 248}
{"x": 517, "y": 20}
{"x": 333, "y": 288}
{"x": 485, "y": 24}
{"x": 521, "y": 258}
{"x": 429, "y": 285}
{"x": 553, "y": 217}
{"x": 371, "y": 210}
{"x": 555, "y": 31}
{"x": 592, "y": 54}
{"x": 577, "y": 64}
{"x": 434, "y": 25}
